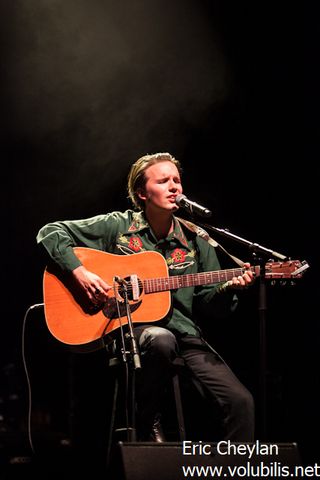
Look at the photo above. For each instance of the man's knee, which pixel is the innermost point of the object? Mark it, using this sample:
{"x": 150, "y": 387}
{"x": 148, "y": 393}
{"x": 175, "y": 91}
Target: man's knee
{"x": 158, "y": 341}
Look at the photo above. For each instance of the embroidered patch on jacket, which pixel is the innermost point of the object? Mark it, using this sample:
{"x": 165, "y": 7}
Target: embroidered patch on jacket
{"x": 180, "y": 235}
{"x": 138, "y": 222}
{"x": 124, "y": 249}
{"x": 179, "y": 259}
{"x": 130, "y": 245}
{"x": 135, "y": 225}
{"x": 178, "y": 255}
{"x": 135, "y": 244}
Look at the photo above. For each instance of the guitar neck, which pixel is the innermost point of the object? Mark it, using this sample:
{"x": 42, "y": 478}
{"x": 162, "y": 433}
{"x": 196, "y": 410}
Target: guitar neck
{"x": 152, "y": 285}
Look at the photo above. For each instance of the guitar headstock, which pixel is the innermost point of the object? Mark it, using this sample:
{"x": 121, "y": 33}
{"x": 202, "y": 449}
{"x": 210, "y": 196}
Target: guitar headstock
{"x": 290, "y": 269}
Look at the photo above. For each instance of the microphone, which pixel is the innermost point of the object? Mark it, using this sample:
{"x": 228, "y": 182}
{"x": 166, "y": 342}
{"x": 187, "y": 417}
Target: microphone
{"x": 120, "y": 281}
{"x": 192, "y": 207}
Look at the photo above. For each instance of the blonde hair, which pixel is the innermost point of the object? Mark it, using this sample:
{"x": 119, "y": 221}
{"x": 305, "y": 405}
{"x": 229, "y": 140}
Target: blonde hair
{"x": 137, "y": 178}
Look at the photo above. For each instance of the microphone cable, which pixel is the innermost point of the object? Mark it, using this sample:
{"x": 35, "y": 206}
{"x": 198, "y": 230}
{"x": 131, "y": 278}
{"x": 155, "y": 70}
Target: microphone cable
{"x": 29, "y": 414}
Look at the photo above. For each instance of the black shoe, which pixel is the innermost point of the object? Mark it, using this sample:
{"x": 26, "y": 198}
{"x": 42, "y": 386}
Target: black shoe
{"x": 157, "y": 434}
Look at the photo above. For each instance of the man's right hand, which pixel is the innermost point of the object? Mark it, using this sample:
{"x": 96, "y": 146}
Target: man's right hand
{"x": 94, "y": 288}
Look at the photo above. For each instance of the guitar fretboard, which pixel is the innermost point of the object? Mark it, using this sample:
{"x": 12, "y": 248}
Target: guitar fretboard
{"x": 152, "y": 285}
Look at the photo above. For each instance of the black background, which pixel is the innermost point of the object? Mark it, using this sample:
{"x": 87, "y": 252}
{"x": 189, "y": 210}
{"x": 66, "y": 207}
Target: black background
{"x": 229, "y": 88}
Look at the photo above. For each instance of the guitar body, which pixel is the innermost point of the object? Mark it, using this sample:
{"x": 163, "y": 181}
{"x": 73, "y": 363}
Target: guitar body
{"x": 68, "y": 316}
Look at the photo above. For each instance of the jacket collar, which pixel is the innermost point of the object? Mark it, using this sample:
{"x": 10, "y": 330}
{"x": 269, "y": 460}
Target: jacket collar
{"x": 140, "y": 223}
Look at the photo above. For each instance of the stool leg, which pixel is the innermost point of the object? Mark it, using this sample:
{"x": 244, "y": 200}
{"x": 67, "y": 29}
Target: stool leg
{"x": 177, "y": 396}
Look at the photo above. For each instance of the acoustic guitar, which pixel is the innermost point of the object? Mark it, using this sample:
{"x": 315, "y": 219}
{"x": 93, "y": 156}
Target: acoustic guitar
{"x": 142, "y": 279}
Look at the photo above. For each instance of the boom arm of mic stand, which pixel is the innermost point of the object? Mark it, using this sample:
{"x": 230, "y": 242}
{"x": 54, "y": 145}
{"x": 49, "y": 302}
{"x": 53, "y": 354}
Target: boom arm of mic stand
{"x": 253, "y": 246}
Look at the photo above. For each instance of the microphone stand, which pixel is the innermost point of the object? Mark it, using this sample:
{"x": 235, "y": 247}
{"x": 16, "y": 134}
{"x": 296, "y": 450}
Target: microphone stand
{"x": 259, "y": 253}
{"x": 135, "y": 364}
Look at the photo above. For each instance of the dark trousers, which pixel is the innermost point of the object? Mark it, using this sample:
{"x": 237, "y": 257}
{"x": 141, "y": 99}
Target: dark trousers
{"x": 214, "y": 380}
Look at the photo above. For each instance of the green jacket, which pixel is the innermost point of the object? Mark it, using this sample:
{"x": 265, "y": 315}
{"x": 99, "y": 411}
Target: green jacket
{"x": 128, "y": 232}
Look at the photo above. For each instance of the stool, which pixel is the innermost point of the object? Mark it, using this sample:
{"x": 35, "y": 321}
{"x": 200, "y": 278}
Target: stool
{"x": 178, "y": 364}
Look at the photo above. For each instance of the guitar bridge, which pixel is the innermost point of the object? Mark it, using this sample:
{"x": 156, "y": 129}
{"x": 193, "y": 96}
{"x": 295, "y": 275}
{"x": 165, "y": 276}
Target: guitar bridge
{"x": 135, "y": 287}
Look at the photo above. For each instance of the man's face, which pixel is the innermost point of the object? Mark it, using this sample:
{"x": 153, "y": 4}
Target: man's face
{"x": 163, "y": 184}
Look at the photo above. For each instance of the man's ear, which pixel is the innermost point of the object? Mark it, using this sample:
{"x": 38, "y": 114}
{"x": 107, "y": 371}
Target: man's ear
{"x": 141, "y": 194}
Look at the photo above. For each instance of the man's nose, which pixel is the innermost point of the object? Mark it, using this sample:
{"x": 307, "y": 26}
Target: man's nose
{"x": 172, "y": 186}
